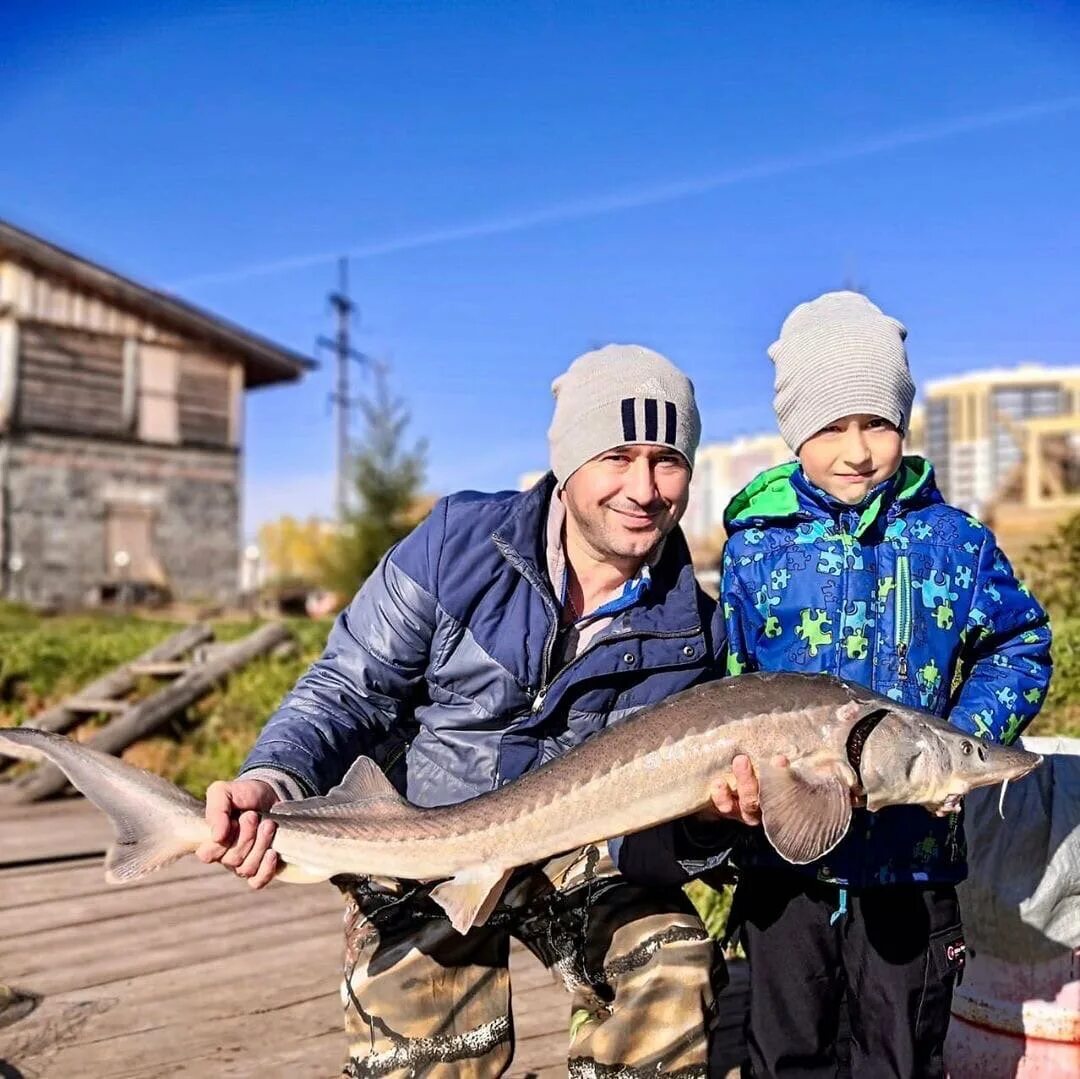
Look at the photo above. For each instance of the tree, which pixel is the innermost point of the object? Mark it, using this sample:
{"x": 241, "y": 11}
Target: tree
{"x": 1052, "y": 568}
{"x": 386, "y": 490}
{"x": 295, "y": 550}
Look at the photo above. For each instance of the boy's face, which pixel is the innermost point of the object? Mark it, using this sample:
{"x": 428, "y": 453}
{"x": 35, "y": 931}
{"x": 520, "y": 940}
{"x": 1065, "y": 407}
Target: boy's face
{"x": 851, "y": 456}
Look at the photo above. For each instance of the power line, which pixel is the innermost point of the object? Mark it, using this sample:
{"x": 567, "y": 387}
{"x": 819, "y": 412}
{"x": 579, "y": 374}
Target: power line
{"x": 340, "y": 401}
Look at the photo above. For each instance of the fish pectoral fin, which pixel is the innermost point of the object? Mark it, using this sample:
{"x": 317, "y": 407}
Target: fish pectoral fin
{"x": 804, "y": 812}
{"x": 470, "y": 896}
{"x": 292, "y": 873}
{"x": 365, "y": 788}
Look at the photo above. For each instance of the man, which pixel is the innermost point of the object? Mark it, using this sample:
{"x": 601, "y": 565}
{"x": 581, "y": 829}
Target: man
{"x": 503, "y": 631}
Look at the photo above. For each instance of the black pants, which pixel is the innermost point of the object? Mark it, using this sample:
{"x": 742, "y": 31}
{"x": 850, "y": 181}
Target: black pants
{"x": 894, "y": 955}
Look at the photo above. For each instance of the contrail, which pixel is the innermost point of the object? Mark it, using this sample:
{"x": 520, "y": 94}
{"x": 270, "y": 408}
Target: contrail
{"x": 632, "y": 198}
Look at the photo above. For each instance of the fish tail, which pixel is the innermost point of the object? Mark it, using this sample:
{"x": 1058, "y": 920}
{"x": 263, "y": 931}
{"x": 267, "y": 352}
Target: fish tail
{"x": 155, "y": 821}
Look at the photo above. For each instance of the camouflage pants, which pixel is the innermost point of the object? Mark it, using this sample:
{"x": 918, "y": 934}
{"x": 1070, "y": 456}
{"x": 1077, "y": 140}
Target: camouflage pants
{"x": 420, "y": 999}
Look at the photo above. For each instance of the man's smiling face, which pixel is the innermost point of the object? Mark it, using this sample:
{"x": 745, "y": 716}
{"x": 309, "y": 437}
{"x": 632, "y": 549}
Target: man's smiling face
{"x": 626, "y": 500}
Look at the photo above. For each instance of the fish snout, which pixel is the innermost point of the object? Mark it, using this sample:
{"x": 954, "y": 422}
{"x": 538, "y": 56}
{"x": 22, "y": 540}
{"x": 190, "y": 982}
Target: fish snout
{"x": 982, "y": 763}
{"x": 1028, "y": 766}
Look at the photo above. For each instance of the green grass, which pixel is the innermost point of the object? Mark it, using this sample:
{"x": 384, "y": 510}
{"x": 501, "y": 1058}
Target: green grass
{"x": 1061, "y": 712}
{"x": 713, "y": 904}
{"x": 43, "y": 659}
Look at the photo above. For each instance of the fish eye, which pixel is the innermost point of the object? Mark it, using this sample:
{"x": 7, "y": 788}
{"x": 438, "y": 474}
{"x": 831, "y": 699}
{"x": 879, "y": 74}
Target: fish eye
{"x": 982, "y": 753}
{"x": 966, "y": 747}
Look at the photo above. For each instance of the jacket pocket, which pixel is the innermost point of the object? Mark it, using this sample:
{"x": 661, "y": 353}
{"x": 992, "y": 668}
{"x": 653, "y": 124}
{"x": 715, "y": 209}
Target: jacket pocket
{"x": 518, "y": 754}
{"x": 944, "y": 969}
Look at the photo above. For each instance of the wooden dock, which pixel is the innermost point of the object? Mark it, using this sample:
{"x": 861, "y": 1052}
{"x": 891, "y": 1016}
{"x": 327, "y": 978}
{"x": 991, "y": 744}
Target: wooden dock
{"x": 190, "y": 973}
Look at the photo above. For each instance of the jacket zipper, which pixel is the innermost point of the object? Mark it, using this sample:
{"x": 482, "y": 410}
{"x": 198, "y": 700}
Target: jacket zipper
{"x": 547, "y": 679}
{"x": 903, "y": 612}
{"x": 553, "y": 631}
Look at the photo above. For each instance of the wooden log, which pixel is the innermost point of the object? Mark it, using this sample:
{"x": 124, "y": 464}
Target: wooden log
{"x": 121, "y": 679}
{"x": 143, "y": 718}
{"x": 93, "y": 705}
{"x": 162, "y": 668}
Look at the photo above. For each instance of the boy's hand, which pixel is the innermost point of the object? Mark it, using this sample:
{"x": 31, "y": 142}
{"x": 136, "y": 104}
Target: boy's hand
{"x": 736, "y": 796}
{"x": 238, "y": 839}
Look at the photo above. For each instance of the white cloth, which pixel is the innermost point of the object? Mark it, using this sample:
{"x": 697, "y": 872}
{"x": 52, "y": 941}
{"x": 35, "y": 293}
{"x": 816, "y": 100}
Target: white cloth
{"x": 1021, "y": 901}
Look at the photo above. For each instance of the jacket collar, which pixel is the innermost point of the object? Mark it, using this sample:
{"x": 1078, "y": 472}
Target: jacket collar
{"x": 785, "y": 494}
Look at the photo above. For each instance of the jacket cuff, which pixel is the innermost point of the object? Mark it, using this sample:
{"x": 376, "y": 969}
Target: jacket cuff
{"x": 285, "y": 786}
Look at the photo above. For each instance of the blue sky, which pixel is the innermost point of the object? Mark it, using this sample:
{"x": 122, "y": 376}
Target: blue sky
{"x": 521, "y": 181}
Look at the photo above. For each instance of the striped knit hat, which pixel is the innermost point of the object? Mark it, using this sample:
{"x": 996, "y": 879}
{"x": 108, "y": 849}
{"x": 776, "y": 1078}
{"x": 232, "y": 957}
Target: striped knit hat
{"x": 620, "y": 395}
{"x": 839, "y": 355}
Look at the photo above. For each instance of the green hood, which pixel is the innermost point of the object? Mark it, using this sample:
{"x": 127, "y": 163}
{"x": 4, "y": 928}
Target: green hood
{"x": 772, "y": 496}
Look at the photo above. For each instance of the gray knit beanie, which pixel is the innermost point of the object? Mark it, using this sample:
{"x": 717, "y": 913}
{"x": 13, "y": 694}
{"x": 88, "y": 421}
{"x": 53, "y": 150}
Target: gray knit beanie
{"x": 839, "y": 355}
{"x": 620, "y": 395}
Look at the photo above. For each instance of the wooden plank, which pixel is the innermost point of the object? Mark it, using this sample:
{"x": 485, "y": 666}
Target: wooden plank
{"x": 202, "y": 1027}
{"x": 64, "y": 829}
{"x": 165, "y": 938}
{"x": 224, "y": 1038}
{"x": 183, "y": 1010}
{"x": 96, "y": 704}
{"x": 101, "y": 907}
{"x": 221, "y": 1024}
{"x": 546, "y": 1013}
{"x": 102, "y": 370}
{"x": 160, "y": 668}
{"x": 315, "y": 1057}
{"x": 190, "y": 973}
{"x": 63, "y": 414}
{"x": 289, "y": 971}
{"x": 42, "y": 335}
{"x": 121, "y": 680}
{"x": 76, "y": 879}
{"x": 189, "y": 1009}
{"x": 143, "y": 718}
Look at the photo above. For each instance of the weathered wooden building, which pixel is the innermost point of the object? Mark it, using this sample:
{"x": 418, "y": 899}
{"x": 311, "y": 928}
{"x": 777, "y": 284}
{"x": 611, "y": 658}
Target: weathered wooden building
{"x": 121, "y": 428}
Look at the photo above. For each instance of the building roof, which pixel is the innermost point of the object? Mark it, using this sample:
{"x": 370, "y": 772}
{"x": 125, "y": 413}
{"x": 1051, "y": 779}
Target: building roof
{"x": 1021, "y": 374}
{"x": 264, "y": 362}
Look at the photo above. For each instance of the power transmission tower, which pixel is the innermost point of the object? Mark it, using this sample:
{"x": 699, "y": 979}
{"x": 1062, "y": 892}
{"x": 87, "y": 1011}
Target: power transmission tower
{"x": 340, "y": 400}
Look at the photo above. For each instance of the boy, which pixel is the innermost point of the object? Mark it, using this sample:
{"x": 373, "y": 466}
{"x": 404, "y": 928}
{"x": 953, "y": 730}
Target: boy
{"x": 850, "y": 562}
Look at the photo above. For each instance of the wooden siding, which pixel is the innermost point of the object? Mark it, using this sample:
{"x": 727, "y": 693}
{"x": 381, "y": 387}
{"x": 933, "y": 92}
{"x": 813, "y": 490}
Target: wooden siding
{"x": 70, "y": 380}
{"x": 89, "y": 383}
{"x": 43, "y": 283}
{"x": 203, "y": 401}
{"x": 35, "y": 297}
{"x": 9, "y": 366}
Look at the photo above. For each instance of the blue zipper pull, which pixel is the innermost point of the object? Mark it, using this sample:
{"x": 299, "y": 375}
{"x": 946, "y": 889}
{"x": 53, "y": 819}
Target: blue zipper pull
{"x": 841, "y": 909}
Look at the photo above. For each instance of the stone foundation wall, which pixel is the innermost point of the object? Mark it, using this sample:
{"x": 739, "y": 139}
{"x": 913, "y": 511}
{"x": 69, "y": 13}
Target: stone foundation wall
{"x": 55, "y": 502}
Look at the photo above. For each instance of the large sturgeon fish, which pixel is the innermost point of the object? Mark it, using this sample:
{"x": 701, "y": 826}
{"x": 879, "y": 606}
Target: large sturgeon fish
{"x": 843, "y": 744}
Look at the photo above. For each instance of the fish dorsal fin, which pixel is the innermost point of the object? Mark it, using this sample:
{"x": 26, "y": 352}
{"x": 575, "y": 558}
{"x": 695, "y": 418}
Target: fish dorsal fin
{"x": 470, "y": 896}
{"x": 364, "y": 789}
{"x": 804, "y": 812}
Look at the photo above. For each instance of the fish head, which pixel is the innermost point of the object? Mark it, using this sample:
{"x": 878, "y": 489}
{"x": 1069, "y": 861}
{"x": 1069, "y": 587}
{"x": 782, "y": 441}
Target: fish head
{"x": 907, "y": 757}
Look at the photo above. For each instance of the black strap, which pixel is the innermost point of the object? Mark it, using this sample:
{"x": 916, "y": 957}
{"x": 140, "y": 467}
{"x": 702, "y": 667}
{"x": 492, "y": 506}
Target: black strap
{"x": 857, "y": 739}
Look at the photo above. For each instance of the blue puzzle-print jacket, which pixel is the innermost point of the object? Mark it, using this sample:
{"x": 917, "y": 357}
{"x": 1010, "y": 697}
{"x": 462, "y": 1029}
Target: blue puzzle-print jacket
{"x": 446, "y": 658}
{"x": 901, "y": 593}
